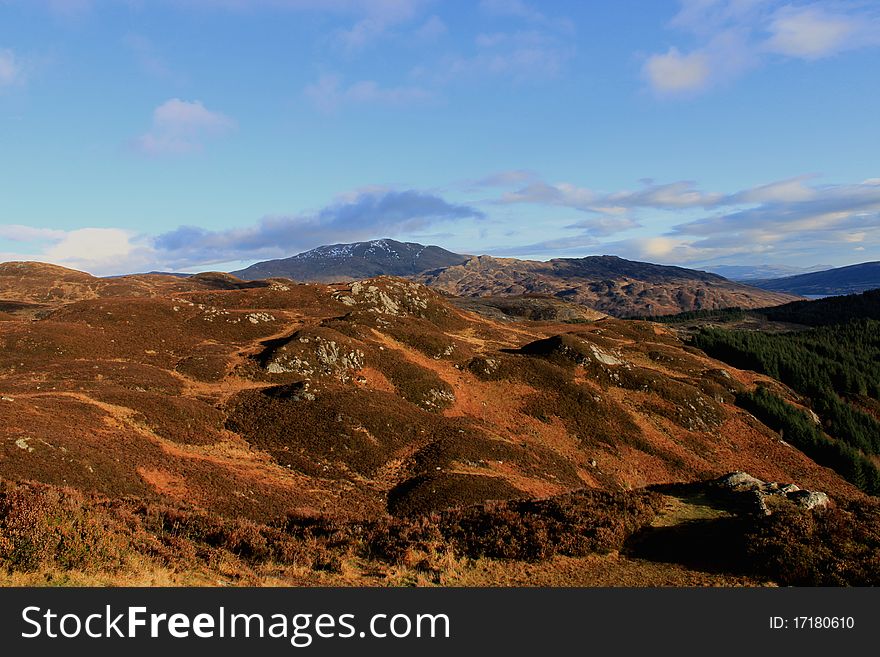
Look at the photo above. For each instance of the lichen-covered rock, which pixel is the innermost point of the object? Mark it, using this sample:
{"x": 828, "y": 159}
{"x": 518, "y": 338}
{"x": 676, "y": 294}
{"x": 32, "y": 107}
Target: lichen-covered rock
{"x": 739, "y": 481}
{"x": 809, "y": 499}
{"x": 315, "y": 353}
{"x": 483, "y": 366}
{"x": 437, "y": 398}
{"x": 753, "y": 492}
{"x": 388, "y": 296}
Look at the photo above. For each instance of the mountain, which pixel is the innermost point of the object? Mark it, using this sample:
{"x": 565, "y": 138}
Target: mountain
{"x": 345, "y": 262}
{"x": 605, "y": 284}
{"x": 210, "y": 429}
{"x": 608, "y": 284}
{"x": 840, "y": 280}
{"x": 748, "y": 273}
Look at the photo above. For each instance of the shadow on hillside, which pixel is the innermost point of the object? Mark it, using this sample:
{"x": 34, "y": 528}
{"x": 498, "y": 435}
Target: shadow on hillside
{"x": 714, "y": 546}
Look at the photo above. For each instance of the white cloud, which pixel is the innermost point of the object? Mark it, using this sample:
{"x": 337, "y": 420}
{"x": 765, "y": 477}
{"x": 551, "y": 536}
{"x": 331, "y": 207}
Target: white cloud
{"x": 674, "y": 72}
{"x": 730, "y": 37}
{"x": 20, "y": 233}
{"x": 809, "y": 32}
{"x": 91, "y": 245}
{"x": 99, "y": 251}
{"x": 180, "y": 127}
{"x": 329, "y": 94}
{"x": 781, "y": 191}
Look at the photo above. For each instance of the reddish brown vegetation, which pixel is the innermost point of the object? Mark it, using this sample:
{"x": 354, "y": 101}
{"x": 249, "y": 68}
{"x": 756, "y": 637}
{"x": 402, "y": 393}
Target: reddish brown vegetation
{"x": 158, "y": 389}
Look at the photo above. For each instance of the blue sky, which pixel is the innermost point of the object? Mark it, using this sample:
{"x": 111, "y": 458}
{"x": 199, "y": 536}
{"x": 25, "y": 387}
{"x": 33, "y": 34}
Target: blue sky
{"x": 208, "y": 134}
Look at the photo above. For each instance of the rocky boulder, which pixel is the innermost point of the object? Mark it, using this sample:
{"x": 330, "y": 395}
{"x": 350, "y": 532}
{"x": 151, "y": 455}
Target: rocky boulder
{"x": 752, "y": 493}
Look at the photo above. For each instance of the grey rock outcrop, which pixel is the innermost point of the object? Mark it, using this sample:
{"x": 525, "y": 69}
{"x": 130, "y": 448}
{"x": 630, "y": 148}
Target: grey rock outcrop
{"x": 752, "y": 493}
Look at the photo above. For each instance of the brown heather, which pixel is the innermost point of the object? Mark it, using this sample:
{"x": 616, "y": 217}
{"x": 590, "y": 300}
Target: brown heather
{"x": 145, "y": 440}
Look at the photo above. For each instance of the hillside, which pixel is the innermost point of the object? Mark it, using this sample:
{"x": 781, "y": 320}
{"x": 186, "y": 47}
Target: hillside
{"x": 841, "y": 280}
{"x": 830, "y": 310}
{"x": 608, "y": 284}
{"x": 345, "y": 262}
{"x": 275, "y": 416}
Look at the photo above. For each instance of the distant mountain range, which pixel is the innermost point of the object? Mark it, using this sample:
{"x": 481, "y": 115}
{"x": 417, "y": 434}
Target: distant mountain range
{"x": 345, "y": 262}
{"x": 607, "y": 284}
{"x": 840, "y": 280}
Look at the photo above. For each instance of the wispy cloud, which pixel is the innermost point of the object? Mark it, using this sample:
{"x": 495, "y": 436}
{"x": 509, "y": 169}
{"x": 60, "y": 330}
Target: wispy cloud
{"x": 11, "y": 70}
{"x": 381, "y": 17}
{"x": 676, "y": 195}
{"x": 785, "y": 221}
{"x": 524, "y": 11}
{"x": 794, "y": 220}
{"x": 732, "y": 36}
{"x": 510, "y": 178}
{"x": 373, "y": 19}
{"x": 535, "y": 48}
{"x": 181, "y": 127}
{"x": 329, "y": 94}
{"x": 528, "y": 46}
{"x": 21, "y": 233}
{"x": 813, "y": 32}
{"x": 830, "y": 207}
{"x": 431, "y": 30}
{"x": 560, "y": 247}
{"x": 149, "y": 59}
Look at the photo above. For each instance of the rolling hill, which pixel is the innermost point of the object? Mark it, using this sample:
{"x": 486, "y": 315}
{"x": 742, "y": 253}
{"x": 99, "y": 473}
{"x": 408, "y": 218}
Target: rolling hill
{"x": 608, "y": 284}
{"x": 266, "y": 429}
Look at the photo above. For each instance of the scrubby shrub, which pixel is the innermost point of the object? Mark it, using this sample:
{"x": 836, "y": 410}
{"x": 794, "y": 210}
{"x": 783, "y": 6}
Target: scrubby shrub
{"x": 46, "y": 527}
{"x": 838, "y": 546}
{"x": 574, "y": 524}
